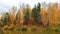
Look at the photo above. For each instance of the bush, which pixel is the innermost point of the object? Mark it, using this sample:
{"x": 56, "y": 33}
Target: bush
{"x": 34, "y": 28}
{"x": 56, "y": 30}
{"x": 24, "y": 29}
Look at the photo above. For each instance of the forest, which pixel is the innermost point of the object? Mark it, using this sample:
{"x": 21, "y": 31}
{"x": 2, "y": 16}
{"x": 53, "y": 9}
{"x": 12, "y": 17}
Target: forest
{"x": 31, "y": 18}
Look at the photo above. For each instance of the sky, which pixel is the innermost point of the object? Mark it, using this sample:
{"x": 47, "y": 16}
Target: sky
{"x": 5, "y": 5}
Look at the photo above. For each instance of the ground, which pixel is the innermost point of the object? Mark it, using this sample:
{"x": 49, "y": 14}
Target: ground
{"x": 32, "y": 30}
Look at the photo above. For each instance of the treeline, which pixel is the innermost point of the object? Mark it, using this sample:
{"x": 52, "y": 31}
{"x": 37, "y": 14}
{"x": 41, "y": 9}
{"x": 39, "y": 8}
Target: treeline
{"x": 38, "y": 16}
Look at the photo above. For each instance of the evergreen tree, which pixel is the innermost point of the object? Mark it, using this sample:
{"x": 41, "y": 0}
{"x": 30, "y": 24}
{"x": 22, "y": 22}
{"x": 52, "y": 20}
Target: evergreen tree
{"x": 6, "y": 19}
{"x": 26, "y": 17}
{"x": 36, "y": 14}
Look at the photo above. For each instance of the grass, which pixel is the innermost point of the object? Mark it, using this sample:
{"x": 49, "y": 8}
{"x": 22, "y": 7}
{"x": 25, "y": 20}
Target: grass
{"x": 29, "y": 31}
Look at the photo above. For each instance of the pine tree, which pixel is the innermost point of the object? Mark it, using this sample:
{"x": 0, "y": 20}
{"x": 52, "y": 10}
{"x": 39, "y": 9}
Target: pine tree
{"x": 6, "y": 19}
{"x": 26, "y": 17}
{"x": 36, "y": 14}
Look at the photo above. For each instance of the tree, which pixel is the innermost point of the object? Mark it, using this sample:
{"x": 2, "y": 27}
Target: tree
{"x": 18, "y": 18}
{"x": 52, "y": 15}
{"x": 27, "y": 17}
{"x": 6, "y": 19}
{"x": 36, "y": 14}
{"x": 44, "y": 18}
{"x": 12, "y": 16}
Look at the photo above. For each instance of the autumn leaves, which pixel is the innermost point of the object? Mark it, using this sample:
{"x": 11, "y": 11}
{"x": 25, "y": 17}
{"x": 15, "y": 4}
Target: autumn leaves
{"x": 36, "y": 16}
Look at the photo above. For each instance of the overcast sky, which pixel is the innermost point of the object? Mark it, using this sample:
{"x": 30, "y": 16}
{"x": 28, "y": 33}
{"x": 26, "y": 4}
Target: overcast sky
{"x": 7, "y": 4}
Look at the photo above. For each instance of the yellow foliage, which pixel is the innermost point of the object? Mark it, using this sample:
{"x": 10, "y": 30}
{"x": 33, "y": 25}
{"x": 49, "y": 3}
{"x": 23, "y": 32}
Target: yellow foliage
{"x": 44, "y": 15}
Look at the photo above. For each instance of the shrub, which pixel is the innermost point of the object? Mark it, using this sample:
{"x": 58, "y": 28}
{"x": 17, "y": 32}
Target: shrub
{"x": 34, "y": 28}
{"x": 24, "y": 29}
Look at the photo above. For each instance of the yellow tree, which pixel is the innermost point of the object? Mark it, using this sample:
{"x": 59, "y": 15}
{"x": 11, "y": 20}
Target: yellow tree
{"x": 23, "y": 11}
{"x": 44, "y": 16}
{"x": 12, "y": 15}
{"x": 52, "y": 14}
{"x": 57, "y": 18}
{"x": 18, "y": 18}
{"x": 3, "y": 16}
